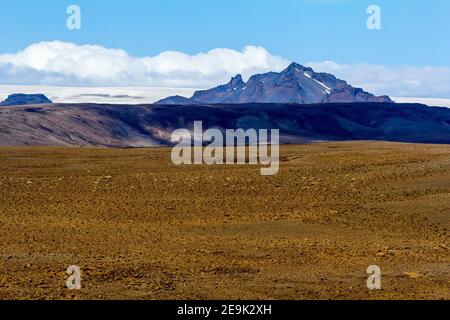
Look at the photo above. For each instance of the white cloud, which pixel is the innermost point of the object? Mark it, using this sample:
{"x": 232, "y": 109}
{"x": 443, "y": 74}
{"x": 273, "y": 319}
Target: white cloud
{"x": 394, "y": 81}
{"x": 435, "y": 102}
{"x": 61, "y": 63}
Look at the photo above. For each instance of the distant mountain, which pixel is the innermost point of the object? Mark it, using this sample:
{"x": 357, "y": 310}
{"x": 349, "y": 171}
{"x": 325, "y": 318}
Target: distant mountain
{"x": 296, "y": 84}
{"x": 144, "y": 125}
{"x": 176, "y": 100}
{"x": 19, "y": 99}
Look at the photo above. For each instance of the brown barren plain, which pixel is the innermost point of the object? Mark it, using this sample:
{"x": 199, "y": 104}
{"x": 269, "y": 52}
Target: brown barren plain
{"x": 142, "y": 228}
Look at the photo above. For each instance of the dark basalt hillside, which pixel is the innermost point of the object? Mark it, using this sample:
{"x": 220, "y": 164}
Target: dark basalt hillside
{"x": 152, "y": 125}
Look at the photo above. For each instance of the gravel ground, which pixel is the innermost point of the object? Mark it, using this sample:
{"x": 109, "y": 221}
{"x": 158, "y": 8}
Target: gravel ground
{"x": 141, "y": 228}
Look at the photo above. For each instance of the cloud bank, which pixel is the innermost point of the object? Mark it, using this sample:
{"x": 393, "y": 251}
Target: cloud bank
{"x": 59, "y": 63}
{"x": 111, "y": 95}
{"x": 68, "y": 64}
{"x": 394, "y": 81}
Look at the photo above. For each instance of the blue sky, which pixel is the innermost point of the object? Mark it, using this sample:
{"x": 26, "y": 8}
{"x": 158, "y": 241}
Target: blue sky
{"x": 202, "y": 43}
{"x": 414, "y": 32}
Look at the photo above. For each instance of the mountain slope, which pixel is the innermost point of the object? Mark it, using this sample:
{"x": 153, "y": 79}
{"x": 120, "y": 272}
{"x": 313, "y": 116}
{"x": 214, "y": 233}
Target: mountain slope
{"x": 296, "y": 84}
{"x": 152, "y": 125}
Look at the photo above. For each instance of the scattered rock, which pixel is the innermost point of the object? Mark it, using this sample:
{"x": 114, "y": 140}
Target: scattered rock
{"x": 412, "y": 275}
